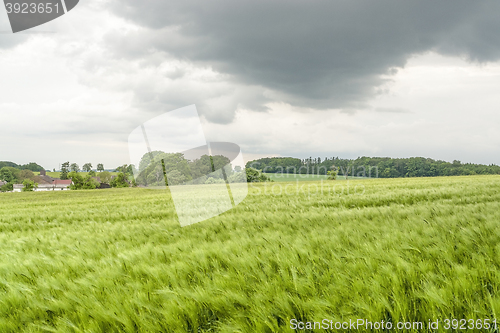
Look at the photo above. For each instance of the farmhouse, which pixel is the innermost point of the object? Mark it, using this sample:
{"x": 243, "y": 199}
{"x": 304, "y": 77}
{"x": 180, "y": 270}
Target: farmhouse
{"x": 47, "y": 183}
{"x": 44, "y": 179}
{"x": 57, "y": 185}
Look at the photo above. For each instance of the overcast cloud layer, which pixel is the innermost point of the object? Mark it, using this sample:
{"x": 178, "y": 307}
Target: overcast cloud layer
{"x": 315, "y": 54}
{"x": 336, "y": 78}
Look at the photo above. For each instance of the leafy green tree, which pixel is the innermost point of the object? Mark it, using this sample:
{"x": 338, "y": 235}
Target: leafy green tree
{"x": 254, "y": 176}
{"x": 237, "y": 177}
{"x": 126, "y": 169}
{"x": 131, "y": 169}
{"x": 9, "y": 187}
{"x": 201, "y": 167}
{"x": 332, "y": 175}
{"x": 76, "y": 179}
{"x": 105, "y": 177}
{"x": 89, "y": 183}
{"x": 82, "y": 183}
{"x": 175, "y": 178}
{"x": 155, "y": 165}
{"x": 122, "y": 168}
{"x": 92, "y": 173}
{"x": 7, "y": 174}
{"x": 264, "y": 178}
{"x": 32, "y": 167}
{"x": 119, "y": 181}
{"x": 87, "y": 167}
{"x": 278, "y": 165}
{"x": 64, "y": 170}
{"x": 8, "y": 164}
{"x": 384, "y": 167}
{"x": 212, "y": 180}
{"x": 74, "y": 167}
{"x": 237, "y": 168}
{"x": 26, "y": 174}
{"x": 100, "y": 167}
{"x": 29, "y": 185}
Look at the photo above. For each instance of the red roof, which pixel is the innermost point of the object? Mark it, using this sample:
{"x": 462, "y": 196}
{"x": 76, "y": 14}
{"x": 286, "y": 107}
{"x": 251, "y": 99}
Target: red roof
{"x": 62, "y": 182}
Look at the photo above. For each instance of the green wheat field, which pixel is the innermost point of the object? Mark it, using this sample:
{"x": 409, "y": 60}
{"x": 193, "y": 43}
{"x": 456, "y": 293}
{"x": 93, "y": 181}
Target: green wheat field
{"x": 398, "y": 250}
{"x": 283, "y": 177}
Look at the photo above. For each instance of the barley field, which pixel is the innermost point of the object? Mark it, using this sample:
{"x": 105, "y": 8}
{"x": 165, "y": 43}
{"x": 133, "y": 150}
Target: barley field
{"x": 397, "y": 250}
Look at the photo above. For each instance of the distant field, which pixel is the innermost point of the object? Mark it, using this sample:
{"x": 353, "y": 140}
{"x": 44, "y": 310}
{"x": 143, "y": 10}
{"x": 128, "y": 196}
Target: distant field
{"x": 397, "y": 250}
{"x": 277, "y": 177}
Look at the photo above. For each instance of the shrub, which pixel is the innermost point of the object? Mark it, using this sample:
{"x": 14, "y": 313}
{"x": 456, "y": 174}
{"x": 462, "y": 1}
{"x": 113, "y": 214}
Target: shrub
{"x": 119, "y": 181}
{"x": 254, "y": 176}
{"x": 29, "y": 185}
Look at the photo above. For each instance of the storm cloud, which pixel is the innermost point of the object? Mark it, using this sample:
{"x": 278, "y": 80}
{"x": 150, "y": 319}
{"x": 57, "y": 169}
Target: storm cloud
{"x": 315, "y": 54}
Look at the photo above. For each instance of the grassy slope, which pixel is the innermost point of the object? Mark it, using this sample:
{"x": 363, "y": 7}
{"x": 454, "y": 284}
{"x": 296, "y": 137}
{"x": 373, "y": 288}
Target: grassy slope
{"x": 116, "y": 260}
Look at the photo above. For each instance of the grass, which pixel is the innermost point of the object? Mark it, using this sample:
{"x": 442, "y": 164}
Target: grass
{"x": 118, "y": 261}
{"x": 294, "y": 177}
{"x": 50, "y": 174}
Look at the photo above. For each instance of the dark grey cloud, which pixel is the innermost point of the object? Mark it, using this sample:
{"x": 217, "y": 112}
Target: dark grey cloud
{"x": 319, "y": 54}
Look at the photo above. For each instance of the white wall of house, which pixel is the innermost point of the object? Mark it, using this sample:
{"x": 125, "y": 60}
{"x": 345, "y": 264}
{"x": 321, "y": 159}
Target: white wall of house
{"x": 42, "y": 188}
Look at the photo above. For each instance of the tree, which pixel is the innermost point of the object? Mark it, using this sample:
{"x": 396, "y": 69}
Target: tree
{"x": 7, "y": 174}
{"x": 74, "y": 167}
{"x": 254, "y": 176}
{"x": 237, "y": 168}
{"x": 332, "y": 175}
{"x": 122, "y": 168}
{"x": 119, "y": 181}
{"x": 175, "y": 178}
{"x": 87, "y": 167}
{"x": 76, "y": 179}
{"x": 154, "y": 164}
{"x": 81, "y": 183}
{"x": 100, "y": 167}
{"x": 105, "y": 177}
{"x": 89, "y": 183}
{"x": 29, "y": 185}
{"x": 8, "y": 164}
{"x": 237, "y": 177}
{"x": 64, "y": 170}
{"x": 126, "y": 169}
{"x": 7, "y": 187}
{"x": 92, "y": 173}
{"x": 26, "y": 174}
{"x": 31, "y": 166}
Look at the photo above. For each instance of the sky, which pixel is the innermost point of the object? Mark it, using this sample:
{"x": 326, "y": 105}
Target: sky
{"x": 279, "y": 78}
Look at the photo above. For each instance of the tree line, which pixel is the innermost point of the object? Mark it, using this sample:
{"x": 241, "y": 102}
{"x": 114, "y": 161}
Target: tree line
{"x": 375, "y": 167}
{"x": 12, "y": 175}
{"x": 30, "y": 166}
{"x": 89, "y": 181}
{"x": 203, "y": 170}
{"x": 150, "y": 172}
